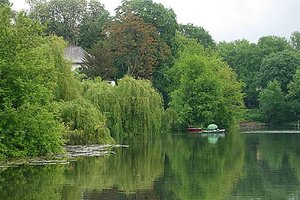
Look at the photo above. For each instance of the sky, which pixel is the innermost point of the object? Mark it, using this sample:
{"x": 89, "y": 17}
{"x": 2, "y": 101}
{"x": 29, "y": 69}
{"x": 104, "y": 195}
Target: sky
{"x": 228, "y": 20}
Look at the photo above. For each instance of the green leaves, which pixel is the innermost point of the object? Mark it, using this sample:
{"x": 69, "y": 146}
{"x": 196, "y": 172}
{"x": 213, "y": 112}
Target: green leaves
{"x": 133, "y": 107}
{"x": 204, "y": 88}
{"x": 135, "y": 46}
{"x": 280, "y": 66}
{"x": 85, "y": 123}
{"x": 27, "y": 74}
{"x": 272, "y": 103}
{"x": 78, "y": 21}
{"x": 197, "y": 33}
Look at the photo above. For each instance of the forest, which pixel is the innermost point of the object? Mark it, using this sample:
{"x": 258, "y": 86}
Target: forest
{"x": 168, "y": 75}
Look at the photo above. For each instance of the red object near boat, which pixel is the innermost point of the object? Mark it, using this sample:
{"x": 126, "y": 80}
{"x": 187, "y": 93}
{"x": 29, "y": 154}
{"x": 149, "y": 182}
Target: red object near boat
{"x": 194, "y": 130}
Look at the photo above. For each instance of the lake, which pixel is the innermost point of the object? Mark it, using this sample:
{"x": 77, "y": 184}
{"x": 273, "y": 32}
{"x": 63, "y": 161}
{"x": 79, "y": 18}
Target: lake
{"x": 169, "y": 167}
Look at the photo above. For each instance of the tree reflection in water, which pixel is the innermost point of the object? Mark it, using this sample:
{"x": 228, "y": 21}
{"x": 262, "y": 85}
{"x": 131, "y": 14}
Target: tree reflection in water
{"x": 169, "y": 167}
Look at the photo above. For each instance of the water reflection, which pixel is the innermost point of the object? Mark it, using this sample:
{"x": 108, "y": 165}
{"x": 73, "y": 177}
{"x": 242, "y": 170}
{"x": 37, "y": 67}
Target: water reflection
{"x": 272, "y": 169}
{"x": 213, "y": 138}
{"x": 169, "y": 167}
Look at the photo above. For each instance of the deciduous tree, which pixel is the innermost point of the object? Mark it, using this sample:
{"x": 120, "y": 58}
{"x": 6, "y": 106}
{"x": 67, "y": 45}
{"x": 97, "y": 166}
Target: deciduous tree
{"x": 92, "y": 24}
{"x": 280, "y": 66}
{"x": 295, "y": 40}
{"x": 272, "y": 44}
{"x": 205, "y": 89}
{"x": 198, "y": 33}
{"x": 136, "y": 46}
{"x": 272, "y": 103}
{"x": 243, "y": 57}
{"x": 99, "y": 62}
{"x": 163, "y": 19}
{"x": 28, "y": 126}
{"x": 78, "y": 21}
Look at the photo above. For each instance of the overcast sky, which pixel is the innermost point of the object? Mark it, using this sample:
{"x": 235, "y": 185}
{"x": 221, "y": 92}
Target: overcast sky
{"x": 229, "y": 19}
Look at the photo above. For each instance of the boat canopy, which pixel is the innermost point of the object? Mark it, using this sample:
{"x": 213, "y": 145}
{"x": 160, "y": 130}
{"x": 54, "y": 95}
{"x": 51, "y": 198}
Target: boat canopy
{"x": 212, "y": 127}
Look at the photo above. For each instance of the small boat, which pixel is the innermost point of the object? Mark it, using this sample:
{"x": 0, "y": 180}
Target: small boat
{"x": 194, "y": 130}
{"x": 213, "y": 131}
{"x": 213, "y": 128}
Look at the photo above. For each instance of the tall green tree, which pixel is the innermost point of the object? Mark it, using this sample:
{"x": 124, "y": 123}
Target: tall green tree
{"x": 198, "y": 33}
{"x": 164, "y": 20}
{"x": 272, "y": 103}
{"x": 293, "y": 95}
{"x": 136, "y": 46}
{"x": 204, "y": 88}
{"x": 92, "y": 24}
{"x": 272, "y": 44}
{"x": 294, "y": 86}
{"x": 78, "y": 21}
{"x": 61, "y": 17}
{"x": 28, "y": 125}
{"x": 280, "y": 66}
{"x": 85, "y": 123}
{"x": 244, "y": 58}
{"x": 67, "y": 86}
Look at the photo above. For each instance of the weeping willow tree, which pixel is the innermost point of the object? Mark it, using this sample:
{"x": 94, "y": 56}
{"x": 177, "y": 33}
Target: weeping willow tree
{"x": 67, "y": 86}
{"x": 103, "y": 96}
{"x": 132, "y": 107}
{"x": 85, "y": 124}
{"x": 141, "y": 106}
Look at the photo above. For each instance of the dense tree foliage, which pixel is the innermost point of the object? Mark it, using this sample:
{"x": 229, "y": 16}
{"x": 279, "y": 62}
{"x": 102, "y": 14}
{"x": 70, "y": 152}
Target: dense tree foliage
{"x": 293, "y": 96}
{"x": 132, "y": 107}
{"x": 294, "y": 86}
{"x": 295, "y": 40}
{"x": 34, "y": 78}
{"x": 136, "y": 46}
{"x": 198, "y": 33}
{"x": 78, "y": 21}
{"x": 67, "y": 85}
{"x": 272, "y": 103}
{"x": 93, "y": 21}
{"x": 243, "y": 57}
{"x": 28, "y": 126}
{"x": 272, "y": 58}
{"x": 41, "y": 100}
{"x": 272, "y": 44}
{"x": 163, "y": 19}
{"x": 85, "y": 123}
{"x": 205, "y": 89}
{"x": 280, "y": 66}
{"x": 98, "y": 62}
{"x": 4, "y": 2}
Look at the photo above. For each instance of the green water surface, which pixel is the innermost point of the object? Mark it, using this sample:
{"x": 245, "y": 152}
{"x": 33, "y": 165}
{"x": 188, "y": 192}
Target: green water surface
{"x": 169, "y": 167}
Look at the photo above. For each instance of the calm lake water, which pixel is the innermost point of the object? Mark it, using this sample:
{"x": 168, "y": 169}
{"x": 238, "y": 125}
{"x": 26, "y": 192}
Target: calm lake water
{"x": 169, "y": 167}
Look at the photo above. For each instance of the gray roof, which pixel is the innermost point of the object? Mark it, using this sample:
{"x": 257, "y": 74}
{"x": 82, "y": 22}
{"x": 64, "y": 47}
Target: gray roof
{"x": 75, "y": 54}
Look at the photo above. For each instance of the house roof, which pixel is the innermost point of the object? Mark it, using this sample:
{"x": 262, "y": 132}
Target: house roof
{"x": 75, "y": 54}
